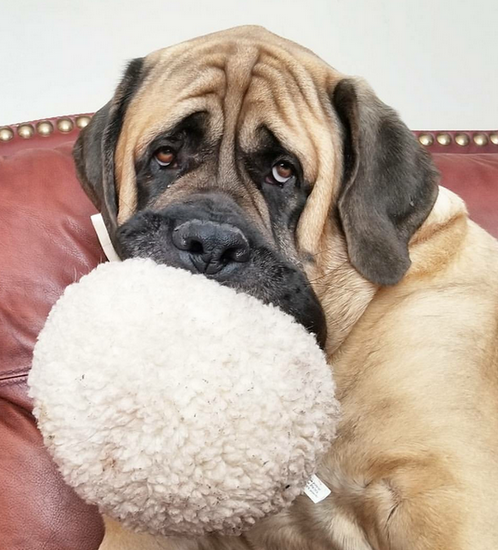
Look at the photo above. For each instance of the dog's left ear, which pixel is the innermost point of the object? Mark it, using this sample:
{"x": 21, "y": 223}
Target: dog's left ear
{"x": 389, "y": 183}
{"x": 94, "y": 149}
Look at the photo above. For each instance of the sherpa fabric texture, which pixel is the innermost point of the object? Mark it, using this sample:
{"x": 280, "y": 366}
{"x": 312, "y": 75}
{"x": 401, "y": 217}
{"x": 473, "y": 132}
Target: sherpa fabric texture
{"x": 179, "y": 406}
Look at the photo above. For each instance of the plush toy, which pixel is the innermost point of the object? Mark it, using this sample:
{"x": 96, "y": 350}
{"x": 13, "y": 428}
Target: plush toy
{"x": 177, "y": 405}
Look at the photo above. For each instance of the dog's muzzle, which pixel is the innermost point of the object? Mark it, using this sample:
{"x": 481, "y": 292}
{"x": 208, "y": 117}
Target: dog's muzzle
{"x": 210, "y": 234}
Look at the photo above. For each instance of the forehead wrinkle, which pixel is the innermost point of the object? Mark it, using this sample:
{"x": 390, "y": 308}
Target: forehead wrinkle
{"x": 298, "y": 84}
{"x": 176, "y": 88}
{"x": 184, "y": 57}
{"x": 159, "y": 107}
{"x": 297, "y": 76}
{"x": 263, "y": 104}
{"x": 154, "y": 127}
{"x": 296, "y": 138}
{"x": 238, "y": 69}
{"x": 189, "y": 75}
{"x": 282, "y": 96}
{"x": 285, "y": 97}
{"x": 195, "y": 62}
{"x": 140, "y": 129}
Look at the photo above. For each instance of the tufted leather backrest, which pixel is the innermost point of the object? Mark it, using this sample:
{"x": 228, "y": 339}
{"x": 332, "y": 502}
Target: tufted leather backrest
{"x": 46, "y": 243}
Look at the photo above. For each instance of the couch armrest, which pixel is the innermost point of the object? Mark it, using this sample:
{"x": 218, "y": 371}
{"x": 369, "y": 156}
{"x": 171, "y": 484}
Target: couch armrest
{"x": 39, "y": 511}
{"x": 46, "y": 243}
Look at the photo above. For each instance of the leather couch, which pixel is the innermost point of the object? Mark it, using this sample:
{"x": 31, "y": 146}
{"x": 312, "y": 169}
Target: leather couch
{"x": 46, "y": 243}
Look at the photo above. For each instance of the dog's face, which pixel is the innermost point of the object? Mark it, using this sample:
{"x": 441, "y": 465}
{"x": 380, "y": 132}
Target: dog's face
{"x": 241, "y": 155}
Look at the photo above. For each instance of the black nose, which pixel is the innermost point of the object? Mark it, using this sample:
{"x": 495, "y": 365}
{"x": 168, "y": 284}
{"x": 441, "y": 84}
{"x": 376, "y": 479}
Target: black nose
{"x": 210, "y": 246}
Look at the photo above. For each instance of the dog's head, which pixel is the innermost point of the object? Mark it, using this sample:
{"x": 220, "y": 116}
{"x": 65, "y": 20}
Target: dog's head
{"x": 245, "y": 157}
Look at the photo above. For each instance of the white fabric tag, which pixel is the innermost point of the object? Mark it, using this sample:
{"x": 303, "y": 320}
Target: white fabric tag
{"x": 104, "y": 239}
{"x": 316, "y": 489}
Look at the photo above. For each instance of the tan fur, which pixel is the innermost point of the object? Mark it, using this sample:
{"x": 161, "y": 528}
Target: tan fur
{"x": 415, "y": 465}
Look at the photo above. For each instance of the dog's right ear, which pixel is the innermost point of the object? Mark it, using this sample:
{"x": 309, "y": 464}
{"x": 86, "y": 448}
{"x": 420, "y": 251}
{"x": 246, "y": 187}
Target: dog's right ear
{"x": 94, "y": 149}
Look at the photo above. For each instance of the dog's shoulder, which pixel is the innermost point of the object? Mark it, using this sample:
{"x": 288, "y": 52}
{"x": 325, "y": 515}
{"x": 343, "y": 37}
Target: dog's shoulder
{"x": 418, "y": 378}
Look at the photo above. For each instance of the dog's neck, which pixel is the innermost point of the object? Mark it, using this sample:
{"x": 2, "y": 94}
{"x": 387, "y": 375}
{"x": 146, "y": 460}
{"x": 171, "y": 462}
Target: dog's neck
{"x": 345, "y": 295}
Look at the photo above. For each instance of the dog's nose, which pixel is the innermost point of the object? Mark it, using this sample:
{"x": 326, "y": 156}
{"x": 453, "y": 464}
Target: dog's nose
{"x": 210, "y": 246}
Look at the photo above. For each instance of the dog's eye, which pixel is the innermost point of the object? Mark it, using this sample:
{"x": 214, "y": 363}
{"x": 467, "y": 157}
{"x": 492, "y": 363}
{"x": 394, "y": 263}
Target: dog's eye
{"x": 165, "y": 156}
{"x": 282, "y": 172}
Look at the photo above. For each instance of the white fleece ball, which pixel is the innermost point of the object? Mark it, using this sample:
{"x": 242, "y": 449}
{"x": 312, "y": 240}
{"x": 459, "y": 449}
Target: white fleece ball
{"x": 179, "y": 406}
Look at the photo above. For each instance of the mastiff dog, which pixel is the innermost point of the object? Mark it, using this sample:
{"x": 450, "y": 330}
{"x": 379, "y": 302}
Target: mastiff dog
{"x": 245, "y": 157}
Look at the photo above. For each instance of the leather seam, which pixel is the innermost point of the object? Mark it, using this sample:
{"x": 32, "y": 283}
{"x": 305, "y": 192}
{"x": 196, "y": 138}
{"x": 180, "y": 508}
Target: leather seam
{"x": 13, "y": 380}
{"x": 13, "y": 372}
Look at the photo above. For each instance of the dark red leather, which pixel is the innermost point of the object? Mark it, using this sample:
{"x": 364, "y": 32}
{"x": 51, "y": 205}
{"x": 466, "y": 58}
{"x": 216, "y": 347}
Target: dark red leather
{"x": 475, "y": 178}
{"x": 38, "y": 511}
{"x": 47, "y": 242}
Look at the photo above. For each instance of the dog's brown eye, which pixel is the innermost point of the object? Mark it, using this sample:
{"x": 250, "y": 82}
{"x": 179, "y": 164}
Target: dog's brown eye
{"x": 165, "y": 156}
{"x": 282, "y": 172}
